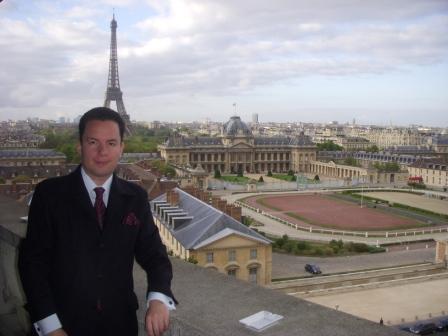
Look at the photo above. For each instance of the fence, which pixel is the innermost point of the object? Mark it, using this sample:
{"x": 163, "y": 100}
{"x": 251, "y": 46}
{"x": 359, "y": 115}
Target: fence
{"x": 364, "y": 234}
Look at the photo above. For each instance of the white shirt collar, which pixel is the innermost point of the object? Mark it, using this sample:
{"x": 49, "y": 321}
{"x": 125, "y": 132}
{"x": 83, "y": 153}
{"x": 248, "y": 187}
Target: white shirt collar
{"x": 91, "y": 185}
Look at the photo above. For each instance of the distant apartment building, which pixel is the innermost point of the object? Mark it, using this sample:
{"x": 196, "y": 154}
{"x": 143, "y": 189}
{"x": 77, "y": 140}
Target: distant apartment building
{"x": 440, "y": 146}
{"x": 192, "y": 229}
{"x": 19, "y": 135}
{"x": 370, "y": 176}
{"x": 432, "y": 171}
{"x": 350, "y": 143}
{"x": 386, "y": 137}
{"x": 237, "y": 149}
{"x": 31, "y": 158}
{"x": 369, "y": 159}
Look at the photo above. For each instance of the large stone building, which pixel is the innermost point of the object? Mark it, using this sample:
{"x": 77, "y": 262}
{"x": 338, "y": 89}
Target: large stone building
{"x": 237, "y": 149}
{"x": 385, "y": 137}
{"x": 433, "y": 172}
{"x": 192, "y": 229}
{"x": 31, "y": 158}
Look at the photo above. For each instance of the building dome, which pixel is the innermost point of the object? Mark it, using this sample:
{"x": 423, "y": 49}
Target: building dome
{"x": 235, "y": 127}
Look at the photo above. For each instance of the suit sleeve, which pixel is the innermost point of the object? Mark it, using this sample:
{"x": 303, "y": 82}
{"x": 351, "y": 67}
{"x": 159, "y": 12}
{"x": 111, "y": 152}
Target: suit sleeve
{"x": 35, "y": 259}
{"x": 151, "y": 254}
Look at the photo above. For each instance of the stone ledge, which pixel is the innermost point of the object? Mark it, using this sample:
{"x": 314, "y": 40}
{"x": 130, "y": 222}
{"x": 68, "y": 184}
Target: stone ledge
{"x": 212, "y": 303}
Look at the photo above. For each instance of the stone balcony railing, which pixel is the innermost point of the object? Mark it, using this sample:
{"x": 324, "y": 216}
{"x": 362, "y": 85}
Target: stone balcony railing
{"x": 210, "y": 303}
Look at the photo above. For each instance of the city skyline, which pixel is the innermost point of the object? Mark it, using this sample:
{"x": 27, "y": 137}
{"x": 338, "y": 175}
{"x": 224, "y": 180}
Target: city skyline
{"x": 293, "y": 61}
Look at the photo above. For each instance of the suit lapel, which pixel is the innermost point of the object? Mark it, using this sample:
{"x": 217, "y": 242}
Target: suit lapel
{"x": 117, "y": 205}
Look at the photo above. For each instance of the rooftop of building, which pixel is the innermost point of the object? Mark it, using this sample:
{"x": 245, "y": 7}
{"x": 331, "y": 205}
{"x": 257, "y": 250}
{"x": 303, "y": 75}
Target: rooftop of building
{"x": 235, "y": 127}
{"x": 430, "y": 163}
{"x": 198, "y": 223}
{"x": 30, "y": 153}
{"x": 212, "y": 303}
{"x": 299, "y": 140}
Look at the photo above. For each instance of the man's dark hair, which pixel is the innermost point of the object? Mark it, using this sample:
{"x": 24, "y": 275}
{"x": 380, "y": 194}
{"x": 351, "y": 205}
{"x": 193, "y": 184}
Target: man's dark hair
{"x": 103, "y": 114}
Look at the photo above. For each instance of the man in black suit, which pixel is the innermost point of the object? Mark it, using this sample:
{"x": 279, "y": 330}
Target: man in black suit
{"x": 84, "y": 230}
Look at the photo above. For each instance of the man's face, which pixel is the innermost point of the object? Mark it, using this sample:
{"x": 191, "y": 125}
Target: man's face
{"x": 100, "y": 149}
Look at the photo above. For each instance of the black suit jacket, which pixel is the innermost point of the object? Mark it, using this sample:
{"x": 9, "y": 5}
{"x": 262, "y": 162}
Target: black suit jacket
{"x": 69, "y": 266}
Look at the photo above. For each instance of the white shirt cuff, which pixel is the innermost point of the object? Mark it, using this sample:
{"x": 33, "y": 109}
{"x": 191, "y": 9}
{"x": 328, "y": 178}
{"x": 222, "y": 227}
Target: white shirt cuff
{"x": 169, "y": 302}
{"x": 47, "y": 325}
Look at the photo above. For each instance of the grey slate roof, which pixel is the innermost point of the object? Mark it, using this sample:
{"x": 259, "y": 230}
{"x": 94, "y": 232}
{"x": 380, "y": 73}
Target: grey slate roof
{"x": 236, "y": 126}
{"x": 301, "y": 140}
{"x": 194, "y": 141}
{"x": 202, "y": 222}
{"x": 30, "y": 153}
{"x": 430, "y": 163}
{"x": 442, "y": 140}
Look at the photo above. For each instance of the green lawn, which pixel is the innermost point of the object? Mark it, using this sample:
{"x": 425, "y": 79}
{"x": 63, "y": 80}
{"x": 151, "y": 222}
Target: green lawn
{"x": 284, "y": 177}
{"x": 235, "y": 179}
{"x": 289, "y": 178}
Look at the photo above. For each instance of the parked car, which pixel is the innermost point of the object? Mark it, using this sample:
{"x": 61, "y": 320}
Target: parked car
{"x": 423, "y": 329}
{"x": 408, "y": 329}
{"x": 313, "y": 269}
{"x": 442, "y": 325}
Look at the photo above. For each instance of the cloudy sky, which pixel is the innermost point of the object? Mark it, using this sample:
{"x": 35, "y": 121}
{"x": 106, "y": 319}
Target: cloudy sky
{"x": 380, "y": 61}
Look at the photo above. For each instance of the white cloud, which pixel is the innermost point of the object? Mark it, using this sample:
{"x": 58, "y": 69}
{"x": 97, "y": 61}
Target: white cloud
{"x": 212, "y": 48}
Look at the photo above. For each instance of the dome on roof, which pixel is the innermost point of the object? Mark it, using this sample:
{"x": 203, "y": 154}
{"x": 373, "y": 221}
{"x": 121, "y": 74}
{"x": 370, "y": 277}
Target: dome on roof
{"x": 235, "y": 127}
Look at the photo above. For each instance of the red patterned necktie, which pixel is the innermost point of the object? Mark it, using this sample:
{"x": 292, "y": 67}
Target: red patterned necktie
{"x": 100, "y": 208}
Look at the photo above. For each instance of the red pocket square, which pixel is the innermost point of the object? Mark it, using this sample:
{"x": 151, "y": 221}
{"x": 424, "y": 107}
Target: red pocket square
{"x": 131, "y": 220}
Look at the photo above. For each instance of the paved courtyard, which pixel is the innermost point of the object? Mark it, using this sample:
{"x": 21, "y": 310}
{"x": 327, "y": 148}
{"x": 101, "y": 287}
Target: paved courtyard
{"x": 396, "y": 305}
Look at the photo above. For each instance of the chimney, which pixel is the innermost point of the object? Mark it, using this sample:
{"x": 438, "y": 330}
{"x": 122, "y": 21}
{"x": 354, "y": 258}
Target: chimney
{"x": 222, "y": 205}
{"x": 174, "y": 198}
{"x": 229, "y": 209}
{"x": 215, "y": 202}
{"x": 235, "y": 212}
{"x": 169, "y": 195}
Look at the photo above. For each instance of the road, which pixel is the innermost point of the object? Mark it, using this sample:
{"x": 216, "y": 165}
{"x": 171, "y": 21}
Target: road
{"x": 285, "y": 265}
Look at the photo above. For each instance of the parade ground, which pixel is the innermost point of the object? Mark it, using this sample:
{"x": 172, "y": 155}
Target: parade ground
{"x": 322, "y": 210}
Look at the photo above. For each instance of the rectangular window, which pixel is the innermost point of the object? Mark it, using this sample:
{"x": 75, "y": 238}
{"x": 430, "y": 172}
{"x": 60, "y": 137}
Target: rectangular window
{"x": 209, "y": 257}
{"x": 232, "y": 255}
{"x": 232, "y": 272}
{"x": 253, "y": 253}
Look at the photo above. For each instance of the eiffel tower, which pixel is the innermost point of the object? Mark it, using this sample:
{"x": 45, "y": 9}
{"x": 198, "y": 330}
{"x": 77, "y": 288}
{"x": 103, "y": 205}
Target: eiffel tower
{"x": 113, "y": 92}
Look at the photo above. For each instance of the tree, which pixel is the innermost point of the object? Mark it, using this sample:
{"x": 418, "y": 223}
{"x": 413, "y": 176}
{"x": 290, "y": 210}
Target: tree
{"x": 217, "y": 174}
{"x": 350, "y": 161}
{"x": 240, "y": 171}
{"x": 192, "y": 260}
{"x": 290, "y": 173}
{"x": 328, "y": 146}
{"x": 316, "y": 178}
{"x": 2, "y": 180}
{"x": 302, "y": 245}
{"x": 337, "y": 245}
{"x": 269, "y": 173}
{"x": 21, "y": 179}
{"x": 261, "y": 179}
{"x": 388, "y": 167}
{"x": 163, "y": 168}
{"x": 372, "y": 149}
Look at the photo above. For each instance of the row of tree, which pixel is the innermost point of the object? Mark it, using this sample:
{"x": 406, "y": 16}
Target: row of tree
{"x": 143, "y": 140}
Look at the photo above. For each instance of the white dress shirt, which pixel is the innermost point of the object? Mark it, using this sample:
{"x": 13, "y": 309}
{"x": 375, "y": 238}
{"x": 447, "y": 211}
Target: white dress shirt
{"x": 51, "y": 323}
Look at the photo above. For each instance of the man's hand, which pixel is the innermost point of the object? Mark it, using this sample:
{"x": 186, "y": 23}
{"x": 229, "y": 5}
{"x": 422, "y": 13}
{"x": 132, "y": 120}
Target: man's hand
{"x": 157, "y": 318}
{"x": 58, "y": 332}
